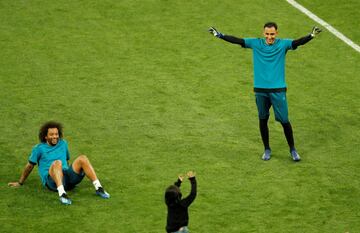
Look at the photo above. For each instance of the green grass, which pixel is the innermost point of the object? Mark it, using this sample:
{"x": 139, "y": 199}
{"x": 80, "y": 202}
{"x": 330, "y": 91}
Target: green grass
{"x": 147, "y": 93}
{"x": 342, "y": 15}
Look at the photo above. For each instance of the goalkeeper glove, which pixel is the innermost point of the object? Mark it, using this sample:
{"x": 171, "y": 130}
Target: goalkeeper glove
{"x": 213, "y": 31}
{"x": 315, "y": 31}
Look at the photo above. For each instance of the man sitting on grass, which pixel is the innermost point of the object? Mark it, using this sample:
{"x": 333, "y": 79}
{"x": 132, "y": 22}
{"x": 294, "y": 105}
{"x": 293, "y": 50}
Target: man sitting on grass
{"x": 52, "y": 156}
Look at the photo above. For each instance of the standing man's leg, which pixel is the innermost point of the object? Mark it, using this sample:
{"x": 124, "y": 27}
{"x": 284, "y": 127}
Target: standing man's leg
{"x": 290, "y": 140}
{"x": 56, "y": 174}
{"x": 264, "y": 131}
{"x": 281, "y": 114}
{"x": 82, "y": 165}
{"x": 289, "y": 135}
{"x": 263, "y": 104}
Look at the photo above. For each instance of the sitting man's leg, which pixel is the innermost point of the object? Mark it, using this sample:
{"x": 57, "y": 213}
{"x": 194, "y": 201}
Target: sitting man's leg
{"x": 55, "y": 181}
{"x": 82, "y": 165}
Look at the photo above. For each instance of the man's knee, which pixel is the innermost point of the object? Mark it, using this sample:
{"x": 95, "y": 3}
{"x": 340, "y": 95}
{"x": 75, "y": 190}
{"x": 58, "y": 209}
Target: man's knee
{"x": 264, "y": 118}
{"x": 57, "y": 164}
{"x": 83, "y": 158}
{"x": 286, "y": 124}
{"x": 55, "y": 168}
{"x": 282, "y": 120}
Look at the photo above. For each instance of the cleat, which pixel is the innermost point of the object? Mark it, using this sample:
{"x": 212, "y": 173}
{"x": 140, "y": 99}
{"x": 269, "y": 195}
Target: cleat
{"x": 102, "y": 193}
{"x": 65, "y": 200}
{"x": 267, "y": 155}
{"x": 295, "y": 156}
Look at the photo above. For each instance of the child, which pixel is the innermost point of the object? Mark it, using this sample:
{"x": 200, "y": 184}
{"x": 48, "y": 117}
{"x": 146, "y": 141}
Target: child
{"x": 178, "y": 217}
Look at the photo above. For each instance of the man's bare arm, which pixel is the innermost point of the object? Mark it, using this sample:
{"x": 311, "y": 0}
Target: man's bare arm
{"x": 26, "y": 172}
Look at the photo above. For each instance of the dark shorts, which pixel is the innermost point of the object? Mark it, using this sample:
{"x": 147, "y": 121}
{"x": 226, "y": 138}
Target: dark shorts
{"x": 276, "y": 99}
{"x": 70, "y": 180}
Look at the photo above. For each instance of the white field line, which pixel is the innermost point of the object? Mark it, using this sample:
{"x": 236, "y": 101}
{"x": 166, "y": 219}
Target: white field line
{"x": 324, "y": 24}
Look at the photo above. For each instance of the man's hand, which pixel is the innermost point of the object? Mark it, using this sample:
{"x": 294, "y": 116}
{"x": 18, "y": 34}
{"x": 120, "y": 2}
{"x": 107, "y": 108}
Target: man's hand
{"x": 213, "y": 31}
{"x": 315, "y": 31}
{"x": 14, "y": 184}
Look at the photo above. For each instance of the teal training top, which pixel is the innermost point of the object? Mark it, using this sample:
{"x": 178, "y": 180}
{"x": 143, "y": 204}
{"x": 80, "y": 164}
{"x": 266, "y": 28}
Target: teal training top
{"x": 269, "y": 62}
{"x": 44, "y": 155}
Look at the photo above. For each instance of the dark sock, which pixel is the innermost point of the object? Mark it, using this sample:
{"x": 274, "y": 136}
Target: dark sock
{"x": 289, "y": 135}
{"x": 264, "y": 131}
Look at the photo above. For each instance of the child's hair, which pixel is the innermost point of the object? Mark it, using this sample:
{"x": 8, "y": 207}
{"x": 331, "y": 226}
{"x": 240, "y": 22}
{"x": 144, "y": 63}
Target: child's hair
{"x": 172, "y": 195}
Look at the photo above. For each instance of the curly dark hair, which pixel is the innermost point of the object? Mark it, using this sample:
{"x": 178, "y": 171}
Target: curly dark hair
{"x": 48, "y": 125}
{"x": 270, "y": 25}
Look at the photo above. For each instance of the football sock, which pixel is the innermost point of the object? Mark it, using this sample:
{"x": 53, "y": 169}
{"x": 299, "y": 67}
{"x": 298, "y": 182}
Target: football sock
{"x": 61, "y": 190}
{"x": 264, "y": 131}
{"x": 289, "y": 135}
{"x": 97, "y": 184}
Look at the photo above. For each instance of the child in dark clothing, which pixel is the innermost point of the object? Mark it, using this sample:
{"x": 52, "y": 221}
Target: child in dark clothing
{"x": 178, "y": 217}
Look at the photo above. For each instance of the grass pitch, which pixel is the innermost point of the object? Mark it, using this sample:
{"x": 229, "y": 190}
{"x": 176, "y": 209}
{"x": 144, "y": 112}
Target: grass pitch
{"x": 147, "y": 93}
